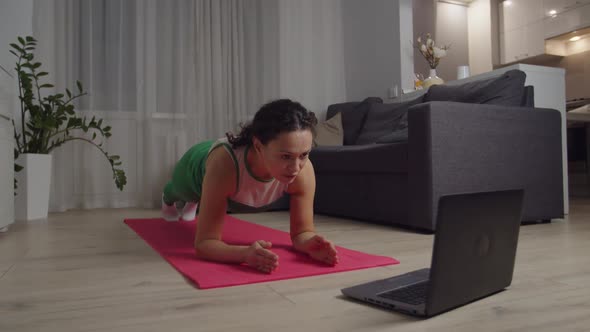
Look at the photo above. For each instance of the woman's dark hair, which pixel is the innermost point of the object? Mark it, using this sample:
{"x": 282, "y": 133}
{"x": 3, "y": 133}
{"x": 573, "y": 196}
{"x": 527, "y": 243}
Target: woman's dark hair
{"x": 272, "y": 119}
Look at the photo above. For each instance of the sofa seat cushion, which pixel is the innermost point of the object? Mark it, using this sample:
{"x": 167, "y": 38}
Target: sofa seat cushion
{"x": 371, "y": 158}
{"x": 507, "y": 90}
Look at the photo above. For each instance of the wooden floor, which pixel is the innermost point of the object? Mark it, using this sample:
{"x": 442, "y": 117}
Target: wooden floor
{"x": 87, "y": 271}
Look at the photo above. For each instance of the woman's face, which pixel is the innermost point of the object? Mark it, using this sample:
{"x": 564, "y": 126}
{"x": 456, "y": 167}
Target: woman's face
{"x": 285, "y": 156}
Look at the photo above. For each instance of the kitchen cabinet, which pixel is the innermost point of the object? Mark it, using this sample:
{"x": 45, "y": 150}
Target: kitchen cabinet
{"x": 568, "y": 18}
{"x": 521, "y": 30}
{"x": 522, "y": 43}
{"x": 519, "y": 13}
{"x": 525, "y": 24}
{"x": 511, "y": 45}
{"x": 560, "y": 6}
{"x": 534, "y": 41}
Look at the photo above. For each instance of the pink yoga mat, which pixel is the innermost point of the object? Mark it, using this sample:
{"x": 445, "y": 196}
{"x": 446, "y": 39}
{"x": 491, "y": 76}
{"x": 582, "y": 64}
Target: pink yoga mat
{"x": 174, "y": 242}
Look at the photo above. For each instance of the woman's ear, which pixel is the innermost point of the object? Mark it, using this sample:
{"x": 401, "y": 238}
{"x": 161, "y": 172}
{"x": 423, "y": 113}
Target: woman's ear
{"x": 256, "y": 144}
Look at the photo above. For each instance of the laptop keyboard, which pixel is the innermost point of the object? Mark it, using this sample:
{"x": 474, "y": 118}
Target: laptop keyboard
{"x": 413, "y": 294}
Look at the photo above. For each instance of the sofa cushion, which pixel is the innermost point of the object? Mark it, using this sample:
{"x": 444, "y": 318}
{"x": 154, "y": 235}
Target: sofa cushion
{"x": 507, "y": 89}
{"x": 353, "y": 116}
{"x": 329, "y": 133}
{"x": 384, "y": 119}
{"x": 400, "y": 135}
{"x": 360, "y": 159}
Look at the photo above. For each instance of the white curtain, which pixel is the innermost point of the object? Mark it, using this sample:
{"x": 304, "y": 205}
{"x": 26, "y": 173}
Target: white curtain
{"x": 167, "y": 74}
{"x": 312, "y": 53}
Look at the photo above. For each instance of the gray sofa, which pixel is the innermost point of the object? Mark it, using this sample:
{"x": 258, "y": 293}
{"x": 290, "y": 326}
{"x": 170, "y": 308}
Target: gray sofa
{"x": 399, "y": 159}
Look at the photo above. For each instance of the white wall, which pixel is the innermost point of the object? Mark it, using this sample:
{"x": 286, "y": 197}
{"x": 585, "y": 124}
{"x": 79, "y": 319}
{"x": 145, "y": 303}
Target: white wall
{"x": 424, "y": 18}
{"x": 469, "y": 30}
{"x": 406, "y": 49}
{"x": 480, "y": 36}
{"x": 451, "y": 28}
{"x": 15, "y": 20}
{"x": 311, "y": 58}
{"x": 376, "y": 47}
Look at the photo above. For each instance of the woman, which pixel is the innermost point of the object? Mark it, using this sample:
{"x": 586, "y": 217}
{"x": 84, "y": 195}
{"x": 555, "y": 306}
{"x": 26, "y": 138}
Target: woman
{"x": 247, "y": 173}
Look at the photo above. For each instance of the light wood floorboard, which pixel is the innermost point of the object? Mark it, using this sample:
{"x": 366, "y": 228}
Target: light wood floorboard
{"x": 87, "y": 271}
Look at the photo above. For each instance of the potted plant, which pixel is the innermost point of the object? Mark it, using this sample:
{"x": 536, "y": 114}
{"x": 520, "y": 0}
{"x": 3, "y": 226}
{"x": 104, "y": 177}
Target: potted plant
{"x": 47, "y": 121}
{"x": 432, "y": 53}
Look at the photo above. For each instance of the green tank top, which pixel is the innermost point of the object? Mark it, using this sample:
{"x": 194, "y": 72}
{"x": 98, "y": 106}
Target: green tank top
{"x": 252, "y": 194}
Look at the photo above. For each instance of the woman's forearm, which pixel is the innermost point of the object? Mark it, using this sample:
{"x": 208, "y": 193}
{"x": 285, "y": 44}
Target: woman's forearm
{"x": 300, "y": 239}
{"x": 219, "y": 251}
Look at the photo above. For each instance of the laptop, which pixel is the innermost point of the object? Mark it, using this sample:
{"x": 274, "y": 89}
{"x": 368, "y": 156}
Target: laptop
{"x": 472, "y": 257}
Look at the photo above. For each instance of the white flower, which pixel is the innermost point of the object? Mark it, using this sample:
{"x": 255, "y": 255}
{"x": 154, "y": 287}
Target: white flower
{"x": 439, "y": 52}
{"x": 429, "y": 42}
{"x": 423, "y": 48}
{"x": 419, "y": 39}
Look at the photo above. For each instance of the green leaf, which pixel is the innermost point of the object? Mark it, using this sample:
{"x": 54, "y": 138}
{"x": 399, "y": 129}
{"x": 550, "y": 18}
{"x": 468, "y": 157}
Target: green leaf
{"x": 47, "y": 85}
{"x": 120, "y": 178}
{"x": 107, "y": 129}
{"x": 43, "y": 73}
{"x": 79, "y": 86}
{"x": 17, "y": 167}
{"x": 18, "y": 48}
{"x": 69, "y": 93}
{"x": 30, "y": 39}
{"x": 11, "y": 51}
{"x": 93, "y": 136}
{"x": 36, "y": 65}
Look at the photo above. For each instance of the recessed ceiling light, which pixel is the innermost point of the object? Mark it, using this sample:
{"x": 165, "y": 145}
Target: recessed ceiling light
{"x": 552, "y": 12}
{"x": 575, "y": 38}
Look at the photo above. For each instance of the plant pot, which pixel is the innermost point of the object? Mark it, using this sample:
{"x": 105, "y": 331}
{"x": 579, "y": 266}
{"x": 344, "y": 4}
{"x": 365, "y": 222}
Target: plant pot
{"x": 34, "y": 180}
{"x": 432, "y": 79}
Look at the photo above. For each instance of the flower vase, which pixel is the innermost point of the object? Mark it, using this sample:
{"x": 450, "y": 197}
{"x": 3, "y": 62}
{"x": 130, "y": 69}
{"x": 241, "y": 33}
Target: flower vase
{"x": 432, "y": 79}
{"x": 34, "y": 184}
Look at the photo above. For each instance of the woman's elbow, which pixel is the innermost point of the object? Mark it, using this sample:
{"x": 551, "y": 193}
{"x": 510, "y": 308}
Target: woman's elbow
{"x": 203, "y": 248}
{"x": 199, "y": 250}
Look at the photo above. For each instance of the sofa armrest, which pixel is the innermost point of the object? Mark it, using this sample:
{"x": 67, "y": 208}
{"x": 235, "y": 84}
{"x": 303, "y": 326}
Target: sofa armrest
{"x": 458, "y": 147}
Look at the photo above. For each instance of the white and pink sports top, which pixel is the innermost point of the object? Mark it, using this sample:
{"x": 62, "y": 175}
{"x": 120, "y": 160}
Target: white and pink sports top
{"x": 252, "y": 193}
